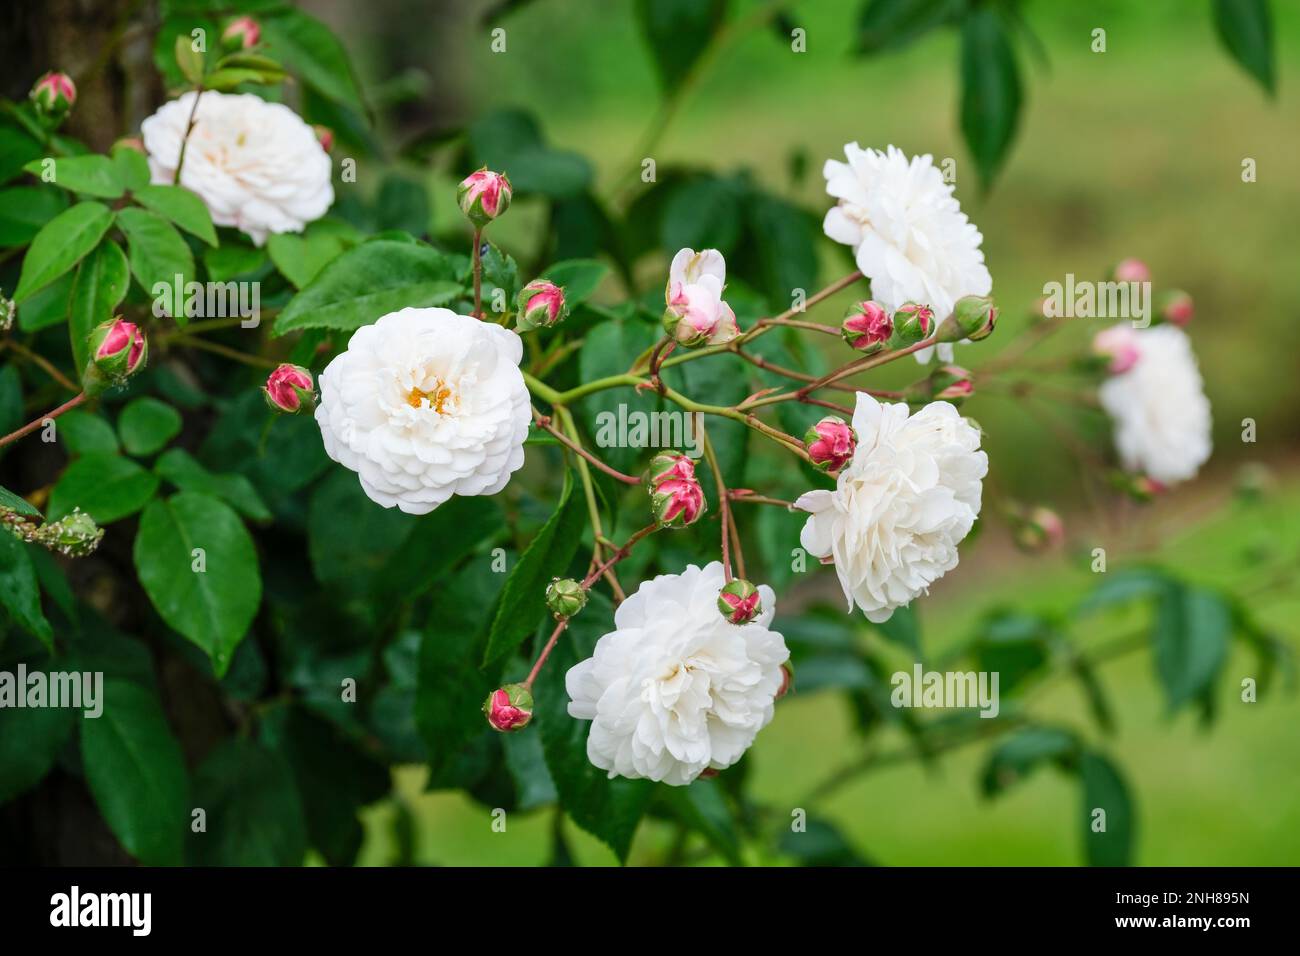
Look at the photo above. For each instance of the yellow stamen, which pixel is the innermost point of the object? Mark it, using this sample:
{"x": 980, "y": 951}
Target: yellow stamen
{"x": 437, "y": 397}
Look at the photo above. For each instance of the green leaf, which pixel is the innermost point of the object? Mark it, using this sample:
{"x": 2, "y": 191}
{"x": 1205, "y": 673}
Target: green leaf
{"x": 48, "y": 307}
{"x": 132, "y": 167}
{"x": 703, "y": 213}
{"x": 1104, "y": 789}
{"x": 136, "y": 773}
{"x": 213, "y": 607}
{"x": 1192, "y": 630}
{"x": 101, "y": 284}
{"x": 609, "y": 809}
{"x": 89, "y": 175}
{"x": 15, "y": 503}
{"x": 893, "y": 24}
{"x": 903, "y": 629}
{"x": 230, "y": 261}
{"x": 156, "y": 252}
{"x": 180, "y": 206}
{"x": 308, "y": 47}
{"x": 146, "y": 425}
{"x": 1024, "y": 752}
{"x": 181, "y": 469}
{"x": 990, "y": 96}
{"x": 254, "y": 813}
{"x": 369, "y": 281}
{"x": 511, "y": 141}
{"x": 786, "y": 239}
{"x": 820, "y": 844}
{"x": 30, "y": 741}
{"x": 579, "y": 278}
{"x": 24, "y": 209}
{"x": 86, "y": 433}
{"x": 1246, "y": 29}
{"x": 20, "y": 595}
{"x": 61, "y": 244}
{"x": 106, "y": 487}
{"x": 523, "y": 599}
{"x": 189, "y": 60}
{"x": 526, "y": 762}
{"x": 300, "y": 258}
{"x": 402, "y": 204}
{"x": 678, "y": 32}
{"x": 16, "y": 150}
{"x": 607, "y": 350}
{"x": 702, "y": 806}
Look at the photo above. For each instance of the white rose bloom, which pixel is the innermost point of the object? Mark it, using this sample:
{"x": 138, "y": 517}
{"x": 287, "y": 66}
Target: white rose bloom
{"x": 908, "y": 233}
{"x": 900, "y": 507}
{"x": 256, "y": 165}
{"x": 1158, "y": 405}
{"x": 676, "y": 689}
{"x": 426, "y": 404}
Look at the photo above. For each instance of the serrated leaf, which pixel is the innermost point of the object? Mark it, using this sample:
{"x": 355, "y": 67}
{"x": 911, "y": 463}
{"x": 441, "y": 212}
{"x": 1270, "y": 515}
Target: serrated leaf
{"x": 106, "y": 487}
{"x": 254, "y": 813}
{"x": 156, "y": 252}
{"x": 213, "y": 607}
{"x": 180, "y": 206}
{"x": 20, "y": 596}
{"x": 181, "y": 469}
{"x": 15, "y": 503}
{"x": 24, "y": 210}
{"x": 101, "y": 284}
{"x": 300, "y": 258}
{"x": 580, "y": 278}
{"x": 91, "y": 175}
{"x": 61, "y": 244}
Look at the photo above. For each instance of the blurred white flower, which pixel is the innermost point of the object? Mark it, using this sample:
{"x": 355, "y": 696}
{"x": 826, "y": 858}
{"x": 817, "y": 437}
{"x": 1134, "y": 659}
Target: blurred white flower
{"x": 676, "y": 689}
{"x": 256, "y": 165}
{"x": 1157, "y": 403}
{"x": 908, "y": 233}
{"x": 696, "y": 314}
{"x": 426, "y": 404}
{"x": 900, "y": 507}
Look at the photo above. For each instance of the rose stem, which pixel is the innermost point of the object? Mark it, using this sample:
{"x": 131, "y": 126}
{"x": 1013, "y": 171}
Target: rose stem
{"x": 593, "y": 510}
{"x": 258, "y": 361}
{"x": 478, "y": 273}
{"x": 724, "y": 507}
{"x": 737, "y": 494}
{"x": 546, "y": 652}
{"x": 544, "y": 423}
{"x": 619, "y": 555}
{"x": 36, "y": 422}
{"x": 189, "y": 128}
{"x": 42, "y": 363}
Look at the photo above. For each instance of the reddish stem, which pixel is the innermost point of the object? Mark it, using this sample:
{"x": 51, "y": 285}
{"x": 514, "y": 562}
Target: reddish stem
{"x": 36, "y": 422}
{"x": 544, "y": 422}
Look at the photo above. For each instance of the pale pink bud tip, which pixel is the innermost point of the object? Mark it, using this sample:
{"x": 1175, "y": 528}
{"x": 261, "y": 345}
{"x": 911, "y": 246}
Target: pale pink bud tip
{"x": 1119, "y": 346}
{"x": 290, "y": 389}
{"x": 787, "y": 681}
{"x": 541, "y": 305}
{"x": 483, "y": 196}
{"x": 1177, "y": 308}
{"x": 913, "y": 322}
{"x": 867, "y": 327}
{"x": 54, "y": 93}
{"x": 242, "y": 33}
{"x": 676, "y": 497}
{"x": 831, "y": 443}
{"x": 739, "y": 601}
{"x": 509, "y": 708}
{"x": 325, "y": 136}
{"x": 121, "y": 344}
{"x": 1131, "y": 270}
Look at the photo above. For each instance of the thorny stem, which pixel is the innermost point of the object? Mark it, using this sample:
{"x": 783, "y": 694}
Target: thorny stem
{"x": 36, "y": 422}
{"x": 544, "y": 422}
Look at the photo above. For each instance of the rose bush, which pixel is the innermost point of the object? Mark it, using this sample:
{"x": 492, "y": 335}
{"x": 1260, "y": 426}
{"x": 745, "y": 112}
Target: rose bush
{"x": 360, "y": 518}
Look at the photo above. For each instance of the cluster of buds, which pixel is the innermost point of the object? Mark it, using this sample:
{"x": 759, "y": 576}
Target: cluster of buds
{"x": 290, "y": 389}
{"x": 867, "y": 327}
{"x": 242, "y": 33}
{"x": 541, "y": 305}
{"x": 509, "y": 707}
{"x": 676, "y": 497}
{"x": 483, "y": 196}
{"x": 118, "y": 349}
{"x": 831, "y": 443}
{"x": 53, "y": 95}
{"x": 973, "y": 318}
{"x": 74, "y": 535}
{"x": 913, "y": 323}
{"x": 739, "y": 601}
{"x": 565, "y": 597}
{"x": 947, "y": 383}
{"x": 1036, "y": 529}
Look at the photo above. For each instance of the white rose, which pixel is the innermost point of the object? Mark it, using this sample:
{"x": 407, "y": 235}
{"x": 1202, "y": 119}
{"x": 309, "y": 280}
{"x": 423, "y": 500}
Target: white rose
{"x": 676, "y": 689}
{"x": 900, "y": 507}
{"x": 694, "y": 299}
{"x": 908, "y": 233}
{"x": 426, "y": 404}
{"x": 256, "y": 165}
{"x": 1158, "y": 404}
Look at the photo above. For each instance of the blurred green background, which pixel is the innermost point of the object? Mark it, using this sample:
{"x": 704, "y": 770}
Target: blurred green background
{"x": 1133, "y": 152}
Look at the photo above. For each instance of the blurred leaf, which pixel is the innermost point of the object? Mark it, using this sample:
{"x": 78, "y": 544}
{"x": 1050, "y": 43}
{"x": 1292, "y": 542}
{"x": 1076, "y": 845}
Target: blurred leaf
{"x": 579, "y": 278}
{"x": 30, "y": 740}
{"x": 1124, "y": 586}
{"x": 510, "y": 141}
{"x": 609, "y": 349}
{"x": 990, "y": 97}
{"x": 1104, "y": 789}
{"x": 214, "y": 607}
{"x": 146, "y": 425}
{"x": 254, "y": 813}
{"x": 88, "y": 175}
{"x": 61, "y": 244}
{"x": 678, "y": 32}
{"x": 101, "y": 284}
{"x": 106, "y": 487}
{"x": 402, "y": 204}
{"x": 1014, "y": 644}
{"x": 19, "y": 595}
{"x": 1192, "y": 630}
{"x": 24, "y": 209}
{"x": 904, "y": 629}
{"x": 300, "y": 258}
{"x": 1024, "y": 752}
{"x": 308, "y": 47}
{"x": 893, "y": 24}
{"x": 702, "y": 806}
{"x": 189, "y": 60}
{"x": 523, "y": 599}
{"x": 180, "y": 206}
{"x": 368, "y": 281}
{"x": 228, "y": 261}
{"x": 785, "y": 237}
{"x": 820, "y": 844}
{"x": 15, "y": 503}
{"x": 136, "y": 773}
{"x": 703, "y": 213}
{"x": 180, "y": 468}
{"x": 1095, "y": 694}
{"x": 608, "y": 808}
{"x": 156, "y": 252}
{"x": 527, "y": 765}
{"x": 1246, "y": 29}
{"x": 17, "y": 149}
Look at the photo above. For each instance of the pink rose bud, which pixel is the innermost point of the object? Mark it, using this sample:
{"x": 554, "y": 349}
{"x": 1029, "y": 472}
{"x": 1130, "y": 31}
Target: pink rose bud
{"x": 947, "y": 383}
{"x": 1038, "y": 529}
{"x": 541, "y": 305}
{"x": 739, "y": 601}
{"x": 913, "y": 322}
{"x": 787, "y": 681}
{"x": 1176, "y": 307}
{"x": 483, "y": 196}
{"x": 241, "y": 33}
{"x": 509, "y": 708}
{"x": 118, "y": 350}
{"x": 973, "y": 318}
{"x": 831, "y": 443}
{"x": 867, "y": 327}
{"x": 1131, "y": 270}
{"x": 129, "y": 142}
{"x": 54, "y": 94}
{"x": 290, "y": 389}
{"x": 1119, "y": 347}
{"x": 325, "y": 136}
{"x": 676, "y": 497}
